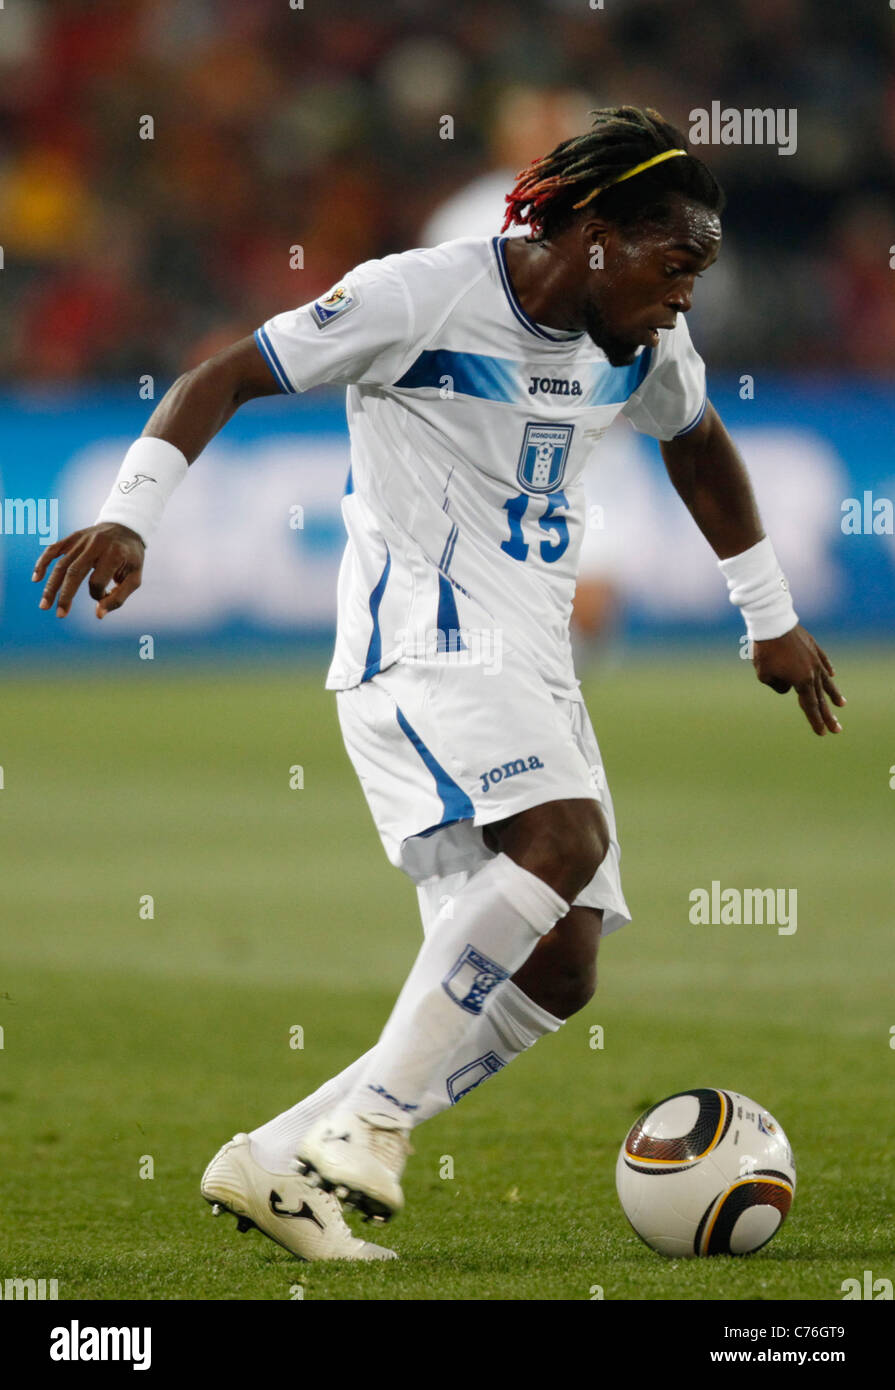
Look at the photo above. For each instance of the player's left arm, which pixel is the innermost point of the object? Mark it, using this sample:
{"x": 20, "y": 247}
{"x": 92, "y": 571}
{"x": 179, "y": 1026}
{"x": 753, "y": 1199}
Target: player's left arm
{"x": 711, "y": 479}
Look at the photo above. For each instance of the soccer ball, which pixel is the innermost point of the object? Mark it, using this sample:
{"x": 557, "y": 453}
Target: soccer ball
{"x": 727, "y": 1171}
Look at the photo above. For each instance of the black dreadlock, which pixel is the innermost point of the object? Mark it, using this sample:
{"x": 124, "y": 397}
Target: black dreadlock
{"x": 546, "y": 192}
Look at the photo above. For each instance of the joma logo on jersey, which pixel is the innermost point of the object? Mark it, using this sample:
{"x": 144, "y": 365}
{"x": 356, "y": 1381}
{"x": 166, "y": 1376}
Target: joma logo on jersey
{"x": 500, "y": 774}
{"x": 542, "y": 462}
{"x": 554, "y": 386}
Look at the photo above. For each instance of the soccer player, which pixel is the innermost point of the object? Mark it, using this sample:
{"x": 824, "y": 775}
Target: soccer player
{"x": 481, "y": 373}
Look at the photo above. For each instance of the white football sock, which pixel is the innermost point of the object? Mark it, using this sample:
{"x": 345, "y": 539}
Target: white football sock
{"x": 482, "y": 935}
{"x": 511, "y": 1025}
{"x": 275, "y": 1144}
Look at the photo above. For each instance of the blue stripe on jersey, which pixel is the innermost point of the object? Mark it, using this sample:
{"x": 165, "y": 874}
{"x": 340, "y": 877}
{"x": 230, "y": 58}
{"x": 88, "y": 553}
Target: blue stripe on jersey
{"x": 499, "y": 244}
{"x": 499, "y": 379}
{"x": 457, "y": 805}
{"x": 267, "y": 352}
{"x": 452, "y": 545}
{"x": 615, "y": 385}
{"x": 447, "y": 553}
{"x": 374, "y": 650}
{"x": 448, "y": 620}
{"x": 445, "y": 548}
{"x": 695, "y": 421}
{"x": 470, "y": 373}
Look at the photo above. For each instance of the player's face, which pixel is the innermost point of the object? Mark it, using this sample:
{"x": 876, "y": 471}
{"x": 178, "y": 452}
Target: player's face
{"x": 646, "y": 279}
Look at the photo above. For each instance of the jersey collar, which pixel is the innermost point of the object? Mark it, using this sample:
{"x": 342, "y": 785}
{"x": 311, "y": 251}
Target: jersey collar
{"x": 499, "y": 245}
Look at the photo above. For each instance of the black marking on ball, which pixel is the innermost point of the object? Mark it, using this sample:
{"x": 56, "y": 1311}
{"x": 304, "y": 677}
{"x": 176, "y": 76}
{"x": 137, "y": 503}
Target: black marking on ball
{"x": 695, "y": 1144}
{"x": 740, "y": 1199}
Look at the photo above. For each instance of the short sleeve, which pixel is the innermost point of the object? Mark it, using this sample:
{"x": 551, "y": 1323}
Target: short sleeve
{"x": 359, "y": 332}
{"x": 671, "y": 399}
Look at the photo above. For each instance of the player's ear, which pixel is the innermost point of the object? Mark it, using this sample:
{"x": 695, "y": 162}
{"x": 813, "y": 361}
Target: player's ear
{"x": 595, "y": 235}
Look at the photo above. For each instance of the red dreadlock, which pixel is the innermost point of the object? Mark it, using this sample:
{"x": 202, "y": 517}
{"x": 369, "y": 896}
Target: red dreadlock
{"x": 551, "y": 187}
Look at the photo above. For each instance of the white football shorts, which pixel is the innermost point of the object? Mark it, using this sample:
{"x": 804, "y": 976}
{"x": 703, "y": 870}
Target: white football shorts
{"x": 442, "y": 749}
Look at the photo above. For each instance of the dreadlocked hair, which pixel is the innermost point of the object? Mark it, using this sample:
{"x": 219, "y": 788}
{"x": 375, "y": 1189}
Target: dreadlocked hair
{"x": 621, "y": 137}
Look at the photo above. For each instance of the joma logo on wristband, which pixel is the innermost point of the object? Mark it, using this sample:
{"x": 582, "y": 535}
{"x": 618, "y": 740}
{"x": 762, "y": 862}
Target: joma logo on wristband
{"x": 135, "y": 481}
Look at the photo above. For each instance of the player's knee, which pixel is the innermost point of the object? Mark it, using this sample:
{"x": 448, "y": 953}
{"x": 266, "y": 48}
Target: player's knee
{"x": 576, "y": 841}
{"x": 562, "y": 842}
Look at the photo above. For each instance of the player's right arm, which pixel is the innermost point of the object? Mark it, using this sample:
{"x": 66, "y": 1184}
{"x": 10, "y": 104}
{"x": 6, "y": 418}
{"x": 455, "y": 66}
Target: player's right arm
{"x": 190, "y": 414}
{"x": 365, "y": 330}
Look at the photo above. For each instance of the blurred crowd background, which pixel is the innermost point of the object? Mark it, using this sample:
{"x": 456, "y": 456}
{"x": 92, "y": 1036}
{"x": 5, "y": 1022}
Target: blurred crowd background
{"x": 320, "y": 127}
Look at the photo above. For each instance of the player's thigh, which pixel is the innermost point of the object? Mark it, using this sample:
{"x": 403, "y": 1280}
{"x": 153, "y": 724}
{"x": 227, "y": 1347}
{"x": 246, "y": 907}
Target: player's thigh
{"x": 443, "y": 753}
{"x": 437, "y": 745}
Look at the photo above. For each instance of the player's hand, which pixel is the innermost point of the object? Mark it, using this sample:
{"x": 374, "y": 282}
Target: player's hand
{"x": 795, "y": 662}
{"x": 111, "y": 551}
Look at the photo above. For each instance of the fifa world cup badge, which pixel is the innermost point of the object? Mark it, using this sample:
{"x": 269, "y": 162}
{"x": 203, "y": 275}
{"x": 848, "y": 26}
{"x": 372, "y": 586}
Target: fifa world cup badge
{"x": 333, "y": 305}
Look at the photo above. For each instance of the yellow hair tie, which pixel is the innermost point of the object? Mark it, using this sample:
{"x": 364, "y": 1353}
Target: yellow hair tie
{"x": 638, "y": 169}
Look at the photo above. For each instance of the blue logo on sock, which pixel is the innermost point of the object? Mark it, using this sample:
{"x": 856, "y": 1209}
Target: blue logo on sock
{"x": 472, "y": 1075}
{"x": 381, "y": 1091}
{"x": 472, "y": 978}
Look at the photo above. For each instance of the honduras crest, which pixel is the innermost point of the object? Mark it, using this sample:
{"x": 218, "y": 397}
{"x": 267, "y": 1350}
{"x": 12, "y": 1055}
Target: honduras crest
{"x": 332, "y": 305}
{"x": 471, "y": 979}
{"x": 542, "y": 462}
{"x": 472, "y": 1075}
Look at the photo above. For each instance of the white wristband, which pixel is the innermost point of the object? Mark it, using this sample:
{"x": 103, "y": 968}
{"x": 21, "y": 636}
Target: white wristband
{"x": 151, "y": 470}
{"x": 758, "y": 586}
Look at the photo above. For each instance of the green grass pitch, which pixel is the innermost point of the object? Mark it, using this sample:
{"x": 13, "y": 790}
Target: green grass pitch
{"x": 126, "y": 1037}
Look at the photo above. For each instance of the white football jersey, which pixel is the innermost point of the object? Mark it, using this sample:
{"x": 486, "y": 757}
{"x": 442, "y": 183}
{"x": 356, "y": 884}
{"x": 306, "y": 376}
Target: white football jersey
{"x": 470, "y": 426}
